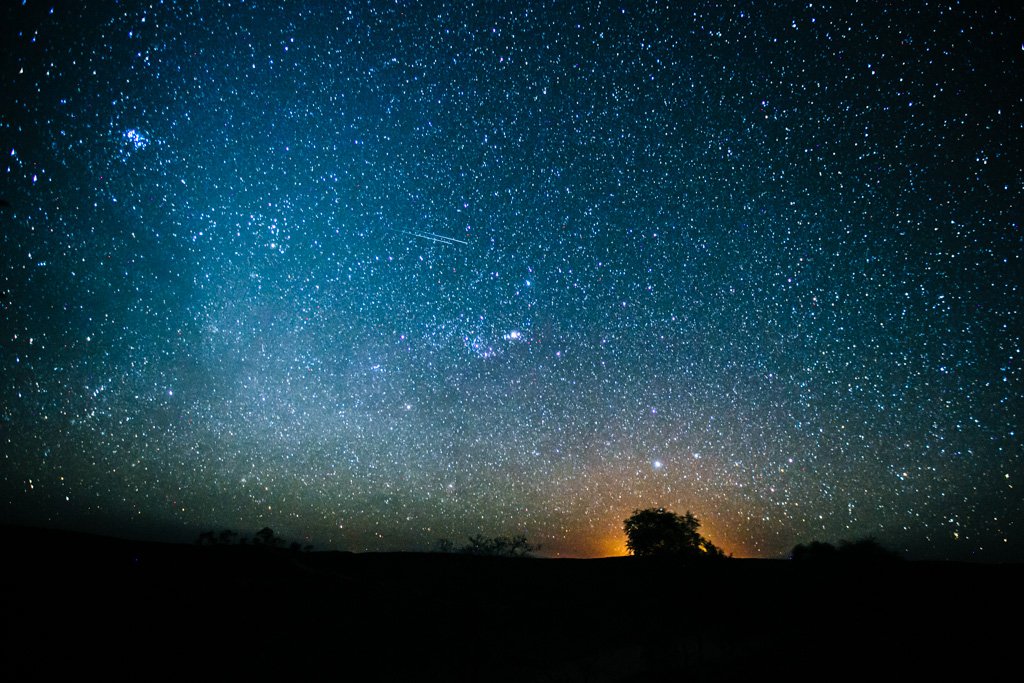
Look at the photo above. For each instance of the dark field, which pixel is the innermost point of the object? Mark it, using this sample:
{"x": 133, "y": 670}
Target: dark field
{"x": 77, "y": 604}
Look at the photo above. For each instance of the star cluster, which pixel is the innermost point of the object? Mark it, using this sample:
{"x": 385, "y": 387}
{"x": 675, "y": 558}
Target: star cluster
{"x": 378, "y": 273}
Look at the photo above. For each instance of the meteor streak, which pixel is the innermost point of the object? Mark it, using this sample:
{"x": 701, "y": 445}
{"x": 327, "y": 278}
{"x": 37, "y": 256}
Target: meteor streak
{"x": 433, "y": 237}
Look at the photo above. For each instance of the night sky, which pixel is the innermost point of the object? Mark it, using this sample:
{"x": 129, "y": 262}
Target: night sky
{"x": 374, "y": 274}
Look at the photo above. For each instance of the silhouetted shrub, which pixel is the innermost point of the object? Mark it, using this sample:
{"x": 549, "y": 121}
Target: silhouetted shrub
{"x": 862, "y": 550}
{"x": 264, "y": 538}
{"x": 814, "y": 551}
{"x": 499, "y": 546}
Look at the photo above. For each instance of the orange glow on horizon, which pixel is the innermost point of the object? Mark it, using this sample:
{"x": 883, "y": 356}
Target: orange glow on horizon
{"x": 615, "y": 546}
{"x": 612, "y": 546}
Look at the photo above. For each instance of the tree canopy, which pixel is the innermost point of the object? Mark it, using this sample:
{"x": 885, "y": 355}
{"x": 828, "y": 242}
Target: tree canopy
{"x": 658, "y": 532}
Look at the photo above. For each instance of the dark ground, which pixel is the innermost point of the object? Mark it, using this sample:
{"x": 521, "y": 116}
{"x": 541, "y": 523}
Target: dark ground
{"x": 79, "y": 604}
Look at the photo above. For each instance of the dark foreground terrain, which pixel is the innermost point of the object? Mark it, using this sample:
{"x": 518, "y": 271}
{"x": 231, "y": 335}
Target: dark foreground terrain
{"x": 79, "y": 604}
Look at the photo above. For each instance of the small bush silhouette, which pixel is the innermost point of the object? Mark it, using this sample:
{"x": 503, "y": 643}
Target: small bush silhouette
{"x": 264, "y": 538}
{"x": 864, "y": 550}
{"x": 499, "y": 546}
{"x": 815, "y": 551}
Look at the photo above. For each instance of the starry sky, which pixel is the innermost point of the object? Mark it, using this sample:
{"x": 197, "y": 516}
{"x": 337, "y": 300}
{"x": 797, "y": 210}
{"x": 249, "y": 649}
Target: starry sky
{"x": 379, "y": 273}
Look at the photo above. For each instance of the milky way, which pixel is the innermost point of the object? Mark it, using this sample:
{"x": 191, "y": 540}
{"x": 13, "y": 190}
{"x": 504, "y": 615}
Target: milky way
{"x": 374, "y": 274}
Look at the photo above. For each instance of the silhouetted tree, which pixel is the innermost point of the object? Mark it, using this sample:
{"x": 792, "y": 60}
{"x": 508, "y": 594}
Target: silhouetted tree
{"x": 267, "y": 539}
{"x": 444, "y": 545}
{"x": 658, "y": 532}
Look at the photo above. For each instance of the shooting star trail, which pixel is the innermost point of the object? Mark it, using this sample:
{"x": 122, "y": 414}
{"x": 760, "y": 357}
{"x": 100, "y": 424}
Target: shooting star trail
{"x": 433, "y": 237}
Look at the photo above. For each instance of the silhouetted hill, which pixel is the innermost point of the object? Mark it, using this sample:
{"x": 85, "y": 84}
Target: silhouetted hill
{"x": 78, "y": 603}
